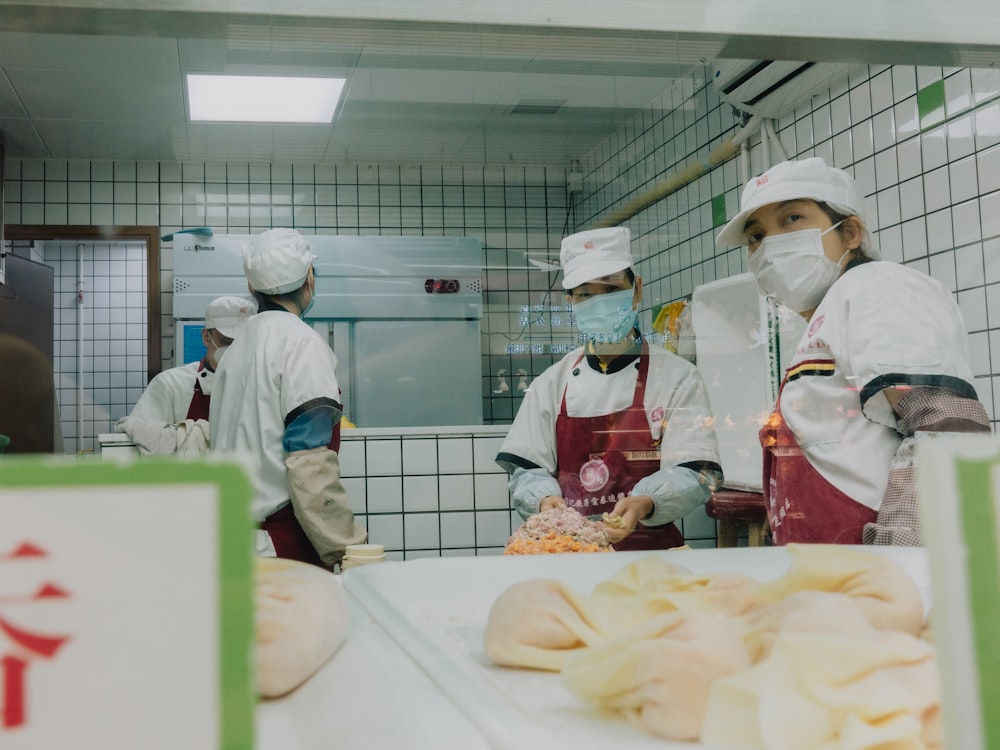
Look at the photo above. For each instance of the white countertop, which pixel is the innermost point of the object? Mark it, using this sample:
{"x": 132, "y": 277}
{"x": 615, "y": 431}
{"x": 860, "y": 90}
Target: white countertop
{"x": 370, "y": 695}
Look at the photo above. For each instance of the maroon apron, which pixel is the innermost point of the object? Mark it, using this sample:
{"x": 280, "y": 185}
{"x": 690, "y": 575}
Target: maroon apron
{"x": 802, "y": 506}
{"x": 600, "y": 459}
{"x": 198, "y": 408}
{"x": 287, "y": 535}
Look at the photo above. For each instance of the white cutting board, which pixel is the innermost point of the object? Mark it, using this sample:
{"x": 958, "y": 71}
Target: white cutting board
{"x": 436, "y": 609}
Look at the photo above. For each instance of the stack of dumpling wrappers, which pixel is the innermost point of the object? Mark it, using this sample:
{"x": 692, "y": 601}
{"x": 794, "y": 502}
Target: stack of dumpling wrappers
{"x": 831, "y": 656}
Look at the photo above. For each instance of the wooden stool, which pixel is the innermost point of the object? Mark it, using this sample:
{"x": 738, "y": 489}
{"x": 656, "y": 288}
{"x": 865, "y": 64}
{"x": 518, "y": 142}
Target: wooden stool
{"x": 734, "y": 510}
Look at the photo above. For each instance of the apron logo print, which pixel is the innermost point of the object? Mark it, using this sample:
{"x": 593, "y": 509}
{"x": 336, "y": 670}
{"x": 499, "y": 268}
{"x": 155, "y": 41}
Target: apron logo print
{"x": 594, "y": 475}
{"x": 816, "y": 325}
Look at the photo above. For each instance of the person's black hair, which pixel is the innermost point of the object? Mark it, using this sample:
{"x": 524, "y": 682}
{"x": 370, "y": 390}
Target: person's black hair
{"x": 272, "y": 301}
{"x": 858, "y": 255}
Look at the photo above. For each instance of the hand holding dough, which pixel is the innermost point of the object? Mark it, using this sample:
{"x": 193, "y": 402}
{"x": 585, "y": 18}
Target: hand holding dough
{"x": 301, "y": 617}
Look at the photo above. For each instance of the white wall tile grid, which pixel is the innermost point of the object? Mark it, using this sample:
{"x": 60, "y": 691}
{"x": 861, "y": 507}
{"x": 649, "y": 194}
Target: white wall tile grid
{"x": 932, "y": 181}
{"x": 99, "y": 335}
{"x": 517, "y": 212}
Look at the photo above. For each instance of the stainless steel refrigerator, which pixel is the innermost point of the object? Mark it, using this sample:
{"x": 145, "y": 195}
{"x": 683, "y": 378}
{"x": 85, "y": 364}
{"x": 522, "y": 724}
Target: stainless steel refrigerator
{"x": 402, "y": 315}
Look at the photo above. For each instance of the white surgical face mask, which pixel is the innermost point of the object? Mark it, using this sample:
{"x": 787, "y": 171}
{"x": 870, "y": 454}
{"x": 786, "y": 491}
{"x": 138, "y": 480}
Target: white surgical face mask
{"x": 219, "y": 352}
{"x": 793, "y": 268}
{"x": 606, "y": 318}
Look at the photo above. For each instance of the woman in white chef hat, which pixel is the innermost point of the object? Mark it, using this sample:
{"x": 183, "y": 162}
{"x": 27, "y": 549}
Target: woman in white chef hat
{"x": 183, "y": 392}
{"x": 616, "y": 426}
{"x": 884, "y": 356}
{"x": 277, "y": 400}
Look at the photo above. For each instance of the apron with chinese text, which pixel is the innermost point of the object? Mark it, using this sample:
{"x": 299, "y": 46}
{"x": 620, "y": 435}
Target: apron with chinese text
{"x": 802, "y": 506}
{"x": 600, "y": 459}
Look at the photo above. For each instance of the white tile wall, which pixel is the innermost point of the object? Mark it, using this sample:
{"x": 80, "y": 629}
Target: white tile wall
{"x": 511, "y": 209}
{"x": 99, "y": 340}
{"x": 933, "y": 186}
{"x": 934, "y": 190}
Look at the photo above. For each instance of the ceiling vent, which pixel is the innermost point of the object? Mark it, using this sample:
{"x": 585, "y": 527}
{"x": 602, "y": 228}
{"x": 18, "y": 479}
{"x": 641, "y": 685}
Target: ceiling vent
{"x": 538, "y": 106}
{"x": 772, "y": 88}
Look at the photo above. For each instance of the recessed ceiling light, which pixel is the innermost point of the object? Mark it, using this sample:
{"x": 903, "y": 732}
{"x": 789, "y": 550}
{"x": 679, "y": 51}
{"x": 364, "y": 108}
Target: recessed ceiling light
{"x": 219, "y": 98}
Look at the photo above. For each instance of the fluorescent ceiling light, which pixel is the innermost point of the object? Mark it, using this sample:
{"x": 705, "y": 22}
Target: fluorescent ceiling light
{"x": 217, "y": 98}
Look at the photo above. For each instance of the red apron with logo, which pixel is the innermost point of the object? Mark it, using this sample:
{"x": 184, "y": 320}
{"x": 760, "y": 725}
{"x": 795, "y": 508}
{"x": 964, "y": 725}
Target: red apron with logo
{"x": 198, "y": 408}
{"x": 600, "y": 459}
{"x": 802, "y": 506}
{"x": 287, "y": 535}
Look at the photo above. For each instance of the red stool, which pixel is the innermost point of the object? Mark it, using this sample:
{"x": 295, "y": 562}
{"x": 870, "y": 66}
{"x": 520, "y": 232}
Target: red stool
{"x": 736, "y": 510}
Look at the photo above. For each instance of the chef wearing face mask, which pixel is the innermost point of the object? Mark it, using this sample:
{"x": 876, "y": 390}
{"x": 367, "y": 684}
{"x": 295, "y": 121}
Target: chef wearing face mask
{"x": 884, "y": 362}
{"x": 183, "y": 392}
{"x": 616, "y": 426}
{"x": 276, "y": 401}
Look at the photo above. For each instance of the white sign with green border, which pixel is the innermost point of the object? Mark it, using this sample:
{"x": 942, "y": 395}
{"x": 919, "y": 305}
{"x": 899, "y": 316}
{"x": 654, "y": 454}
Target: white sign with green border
{"x": 126, "y": 605}
{"x": 959, "y": 479}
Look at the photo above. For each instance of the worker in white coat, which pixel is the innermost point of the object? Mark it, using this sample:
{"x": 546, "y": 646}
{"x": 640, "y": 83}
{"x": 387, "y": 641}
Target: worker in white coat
{"x": 276, "y": 401}
{"x": 183, "y": 392}
{"x": 616, "y": 426}
{"x": 883, "y": 362}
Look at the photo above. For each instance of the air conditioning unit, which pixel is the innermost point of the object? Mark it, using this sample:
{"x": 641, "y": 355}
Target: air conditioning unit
{"x": 772, "y": 88}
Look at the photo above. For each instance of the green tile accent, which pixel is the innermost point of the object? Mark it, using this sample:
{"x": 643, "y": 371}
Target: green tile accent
{"x": 719, "y": 206}
{"x": 930, "y": 105}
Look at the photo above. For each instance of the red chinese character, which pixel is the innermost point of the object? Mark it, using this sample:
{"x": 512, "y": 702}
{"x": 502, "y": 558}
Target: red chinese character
{"x": 27, "y": 647}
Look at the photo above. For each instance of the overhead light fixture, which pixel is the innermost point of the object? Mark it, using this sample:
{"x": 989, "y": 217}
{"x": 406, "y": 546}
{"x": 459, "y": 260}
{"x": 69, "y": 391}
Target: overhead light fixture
{"x": 224, "y": 98}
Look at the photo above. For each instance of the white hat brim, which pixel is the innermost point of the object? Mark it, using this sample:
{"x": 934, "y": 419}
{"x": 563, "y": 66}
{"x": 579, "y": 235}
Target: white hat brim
{"x": 591, "y": 271}
{"x": 732, "y": 234}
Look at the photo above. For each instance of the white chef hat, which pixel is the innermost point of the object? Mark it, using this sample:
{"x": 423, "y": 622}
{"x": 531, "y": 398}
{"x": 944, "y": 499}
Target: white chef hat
{"x": 228, "y": 315}
{"x": 277, "y": 261}
{"x": 595, "y": 253}
{"x": 790, "y": 180}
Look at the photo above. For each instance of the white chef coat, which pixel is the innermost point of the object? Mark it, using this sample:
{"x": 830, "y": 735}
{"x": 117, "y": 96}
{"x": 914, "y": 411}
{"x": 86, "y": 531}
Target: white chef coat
{"x": 880, "y": 324}
{"x": 277, "y": 365}
{"x": 168, "y": 395}
{"x": 675, "y": 401}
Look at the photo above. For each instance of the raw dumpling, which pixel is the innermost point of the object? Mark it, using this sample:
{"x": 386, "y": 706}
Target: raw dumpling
{"x": 301, "y": 616}
{"x": 880, "y": 586}
{"x": 536, "y": 624}
{"x": 652, "y": 585}
{"x": 802, "y": 612}
{"x": 814, "y": 691}
{"x": 660, "y": 674}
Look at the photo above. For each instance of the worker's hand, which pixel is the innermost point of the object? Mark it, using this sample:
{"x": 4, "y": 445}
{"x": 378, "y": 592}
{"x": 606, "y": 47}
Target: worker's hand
{"x": 621, "y": 522}
{"x": 551, "y": 501}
